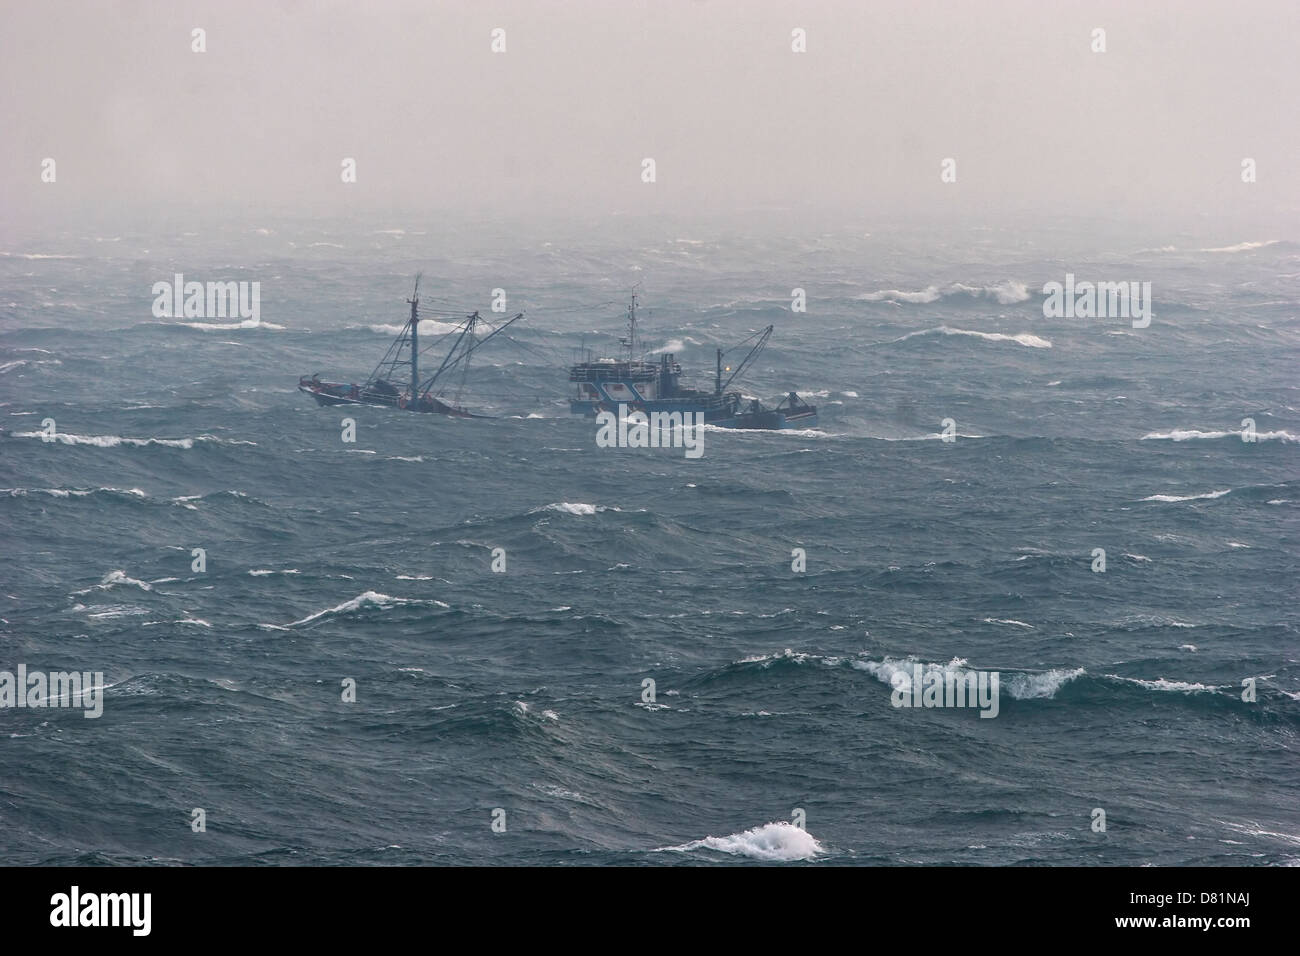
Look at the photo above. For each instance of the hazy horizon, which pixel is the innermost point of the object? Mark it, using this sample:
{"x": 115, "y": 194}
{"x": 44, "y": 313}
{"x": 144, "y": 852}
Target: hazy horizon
{"x": 1153, "y": 130}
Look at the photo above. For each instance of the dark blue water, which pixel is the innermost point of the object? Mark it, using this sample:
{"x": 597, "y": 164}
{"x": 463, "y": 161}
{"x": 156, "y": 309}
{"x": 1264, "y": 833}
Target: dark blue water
{"x": 523, "y": 690}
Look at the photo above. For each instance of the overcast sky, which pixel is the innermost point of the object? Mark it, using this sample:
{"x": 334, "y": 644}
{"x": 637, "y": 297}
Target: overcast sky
{"x": 560, "y": 123}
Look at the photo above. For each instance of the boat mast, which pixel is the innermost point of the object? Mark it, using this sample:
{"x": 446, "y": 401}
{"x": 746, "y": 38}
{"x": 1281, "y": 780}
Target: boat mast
{"x": 717, "y": 382}
{"x": 414, "y": 300}
{"x": 630, "y": 341}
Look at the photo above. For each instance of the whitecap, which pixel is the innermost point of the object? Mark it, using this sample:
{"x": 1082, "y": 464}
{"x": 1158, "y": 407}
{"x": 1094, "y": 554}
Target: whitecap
{"x": 773, "y": 842}
{"x": 1243, "y": 246}
{"x": 1161, "y": 684}
{"x": 368, "y": 599}
{"x": 1172, "y": 498}
{"x": 1021, "y": 338}
{"x": 574, "y": 508}
{"x": 1190, "y": 434}
{"x": 1005, "y": 293}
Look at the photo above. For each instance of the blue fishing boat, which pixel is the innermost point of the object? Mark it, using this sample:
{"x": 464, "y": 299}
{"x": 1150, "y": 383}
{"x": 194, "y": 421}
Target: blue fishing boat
{"x": 603, "y": 384}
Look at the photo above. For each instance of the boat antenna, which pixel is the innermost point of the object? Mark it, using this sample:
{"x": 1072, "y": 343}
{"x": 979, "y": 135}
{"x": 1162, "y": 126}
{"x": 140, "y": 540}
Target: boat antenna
{"x": 630, "y": 341}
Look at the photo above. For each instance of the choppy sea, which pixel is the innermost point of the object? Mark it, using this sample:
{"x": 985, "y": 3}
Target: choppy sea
{"x": 520, "y": 698}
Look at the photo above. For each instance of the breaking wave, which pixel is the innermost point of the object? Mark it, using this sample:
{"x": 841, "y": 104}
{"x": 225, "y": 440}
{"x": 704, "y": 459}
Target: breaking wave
{"x": 427, "y": 327}
{"x": 1021, "y": 685}
{"x": 231, "y": 326}
{"x": 73, "y": 492}
{"x": 112, "y": 441}
{"x": 1021, "y": 338}
{"x": 370, "y": 599}
{"x": 1191, "y": 434}
{"x": 574, "y": 508}
{"x": 774, "y": 842}
{"x": 20, "y": 363}
{"x": 1207, "y": 495}
{"x": 1243, "y": 246}
{"x": 1006, "y": 293}
{"x": 113, "y": 579}
{"x": 1160, "y": 684}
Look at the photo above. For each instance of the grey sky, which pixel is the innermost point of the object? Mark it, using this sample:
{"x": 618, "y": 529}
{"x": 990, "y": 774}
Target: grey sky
{"x": 1157, "y": 125}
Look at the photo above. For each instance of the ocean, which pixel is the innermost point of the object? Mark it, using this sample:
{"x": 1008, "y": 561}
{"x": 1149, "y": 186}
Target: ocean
{"x": 649, "y": 680}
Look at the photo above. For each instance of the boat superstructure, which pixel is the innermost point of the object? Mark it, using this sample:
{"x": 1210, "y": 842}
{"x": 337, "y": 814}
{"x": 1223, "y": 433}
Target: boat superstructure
{"x": 655, "y": 386}
{"x": 396, "y": 381}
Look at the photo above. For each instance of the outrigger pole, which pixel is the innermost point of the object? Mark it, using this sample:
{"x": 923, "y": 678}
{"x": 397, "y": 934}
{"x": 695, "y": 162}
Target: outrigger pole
{"x": 453, "y": 359}
{"x": 763, "y": 336}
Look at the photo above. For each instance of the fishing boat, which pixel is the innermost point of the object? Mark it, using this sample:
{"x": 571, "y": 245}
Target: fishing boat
{"x": 396, "y": 381}
{"x": 655, "y": 386}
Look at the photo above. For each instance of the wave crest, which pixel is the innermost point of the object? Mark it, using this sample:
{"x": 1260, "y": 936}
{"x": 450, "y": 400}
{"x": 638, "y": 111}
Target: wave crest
{"x": 1004, "y": 293}
{"x": 773, "y": 842}
{"x": 1020, "y": 338}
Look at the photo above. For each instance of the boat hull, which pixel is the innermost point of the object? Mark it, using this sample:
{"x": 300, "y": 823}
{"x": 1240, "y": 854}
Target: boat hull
{"x": 335, "y": 393}
{"x": 718, "y": 414}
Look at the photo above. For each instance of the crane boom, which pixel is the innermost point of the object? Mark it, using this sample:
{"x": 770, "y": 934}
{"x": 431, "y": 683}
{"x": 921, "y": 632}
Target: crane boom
{"x": 747, "y": 361}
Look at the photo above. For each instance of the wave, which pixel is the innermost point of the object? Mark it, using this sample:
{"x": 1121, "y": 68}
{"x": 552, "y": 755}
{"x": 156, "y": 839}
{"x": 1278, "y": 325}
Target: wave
{"x": 1207, "y": 495}
{"x": 19, "y": 363}
{"x": 1160, "y": 684}
{"x": 113, "y": 579}
{"x": 574, "y": 508}
{"x": 112, "y": 441}
{"x": 1021, "y": 338}
{"x": 757, "y": 434}
{"x": 427, "y": 327}
{"x": 370, "y": 599}
{"x": 1191, "y": 434}
{"x": 1025, "y": 684}
{"x": 773, "y": 842}
{"x": 932, "y": 436}
{"x": 1243, "y": 246}
{"x": 230, "y": 326}
{"x": 109, "y": 612}
{"x": 73, "y": 492}
{"x": 796, "y": 657}
{"x": 1005, "y": 293}
{"x": 184, "y": 500}
{"x": 1020, "y": 685}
